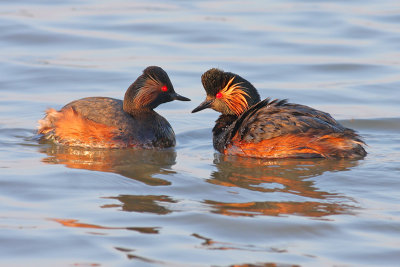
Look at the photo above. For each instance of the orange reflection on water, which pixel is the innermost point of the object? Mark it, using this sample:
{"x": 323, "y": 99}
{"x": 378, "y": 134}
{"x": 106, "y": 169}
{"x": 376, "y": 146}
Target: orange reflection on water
{"x": 290, "y": 177}
{"x": 76, "y": 224}
{"x": 138, "y": 164}
{"x": 311, "y": 209}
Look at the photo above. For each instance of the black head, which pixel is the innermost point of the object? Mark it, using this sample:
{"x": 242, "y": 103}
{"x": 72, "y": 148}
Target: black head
{"x": 227, "y": 92}
{"x": 150, "y": 89}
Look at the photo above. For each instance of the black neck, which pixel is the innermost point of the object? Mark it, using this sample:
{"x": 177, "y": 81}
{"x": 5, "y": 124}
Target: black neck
{"x": 221, "y": 131}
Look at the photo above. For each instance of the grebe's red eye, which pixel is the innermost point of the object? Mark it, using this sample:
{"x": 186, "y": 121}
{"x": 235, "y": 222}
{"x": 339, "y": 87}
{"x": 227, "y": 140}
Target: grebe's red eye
{"x": 218, "y": 95}
{"x": 164, "y": 88}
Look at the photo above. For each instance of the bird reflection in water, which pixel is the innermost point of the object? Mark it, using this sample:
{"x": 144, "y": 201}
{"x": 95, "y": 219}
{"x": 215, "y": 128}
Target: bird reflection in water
{"x": 139, "y": 164}
{"x": 285, "y": 176}
{"x": 142, "y": 203}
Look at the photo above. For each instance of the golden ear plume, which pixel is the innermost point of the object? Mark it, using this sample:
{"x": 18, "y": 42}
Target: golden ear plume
{"x": 234, "y": 97}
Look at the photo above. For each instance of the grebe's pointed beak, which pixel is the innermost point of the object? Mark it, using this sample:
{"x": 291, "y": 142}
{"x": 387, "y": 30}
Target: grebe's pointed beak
{"x": 206, "y": 104}
{"x": 176, "y": 96}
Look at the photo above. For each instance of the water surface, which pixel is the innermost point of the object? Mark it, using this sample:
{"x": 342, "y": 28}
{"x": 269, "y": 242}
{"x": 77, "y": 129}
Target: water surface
{"x": 191, "y": 206}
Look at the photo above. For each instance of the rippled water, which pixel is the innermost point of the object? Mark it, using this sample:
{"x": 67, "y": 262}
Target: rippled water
{"x": 190, "y": 206}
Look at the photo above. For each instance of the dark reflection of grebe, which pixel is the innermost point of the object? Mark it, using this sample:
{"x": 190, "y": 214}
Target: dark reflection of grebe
{"x": 138, "y": 164}
{"x": 142, "y": 203}
{"x": 282, "y": 176}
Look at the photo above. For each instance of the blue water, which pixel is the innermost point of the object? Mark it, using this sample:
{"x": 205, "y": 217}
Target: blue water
{"x": 191, "y": 206}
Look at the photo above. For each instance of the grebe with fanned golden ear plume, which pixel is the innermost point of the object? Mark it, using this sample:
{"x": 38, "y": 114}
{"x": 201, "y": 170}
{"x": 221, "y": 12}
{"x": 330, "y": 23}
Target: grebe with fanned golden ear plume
{"x": 272, "y": 128}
